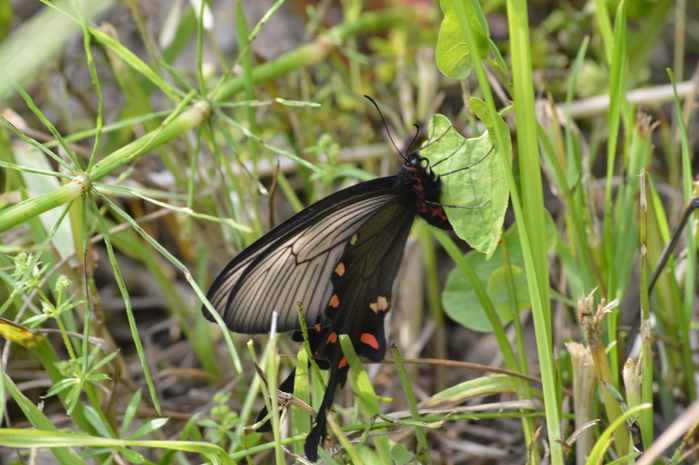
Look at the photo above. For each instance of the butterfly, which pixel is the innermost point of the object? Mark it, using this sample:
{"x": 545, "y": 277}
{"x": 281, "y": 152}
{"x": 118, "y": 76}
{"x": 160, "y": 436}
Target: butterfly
{"x": 337, "y": 260}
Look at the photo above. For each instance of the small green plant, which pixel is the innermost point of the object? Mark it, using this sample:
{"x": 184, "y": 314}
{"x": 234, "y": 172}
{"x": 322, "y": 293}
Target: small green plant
{"x": 221, "y": 423}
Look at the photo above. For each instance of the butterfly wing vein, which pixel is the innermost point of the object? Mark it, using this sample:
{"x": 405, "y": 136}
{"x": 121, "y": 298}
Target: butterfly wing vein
{"x": 294, "y": 268}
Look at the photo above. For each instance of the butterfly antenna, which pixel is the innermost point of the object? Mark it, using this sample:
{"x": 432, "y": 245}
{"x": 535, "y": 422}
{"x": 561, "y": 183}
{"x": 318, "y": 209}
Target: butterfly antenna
{"x": 432, "y": 142}
{"x": 385, "y": 126}
{"x": 412, "y": 142}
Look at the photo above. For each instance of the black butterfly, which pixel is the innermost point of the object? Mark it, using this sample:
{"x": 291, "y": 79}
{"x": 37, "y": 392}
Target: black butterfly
{"x": 338, "y": 258}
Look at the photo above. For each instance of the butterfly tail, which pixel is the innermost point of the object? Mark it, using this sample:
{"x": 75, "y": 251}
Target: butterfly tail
{"x": 320, "y": 430}
{"x": 286, "y": 386}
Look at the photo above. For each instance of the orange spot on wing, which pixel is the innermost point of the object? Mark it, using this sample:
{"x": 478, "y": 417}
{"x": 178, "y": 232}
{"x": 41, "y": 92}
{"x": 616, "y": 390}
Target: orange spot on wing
{"x": 343, "y": 363}
{"x": 334, "y": 301}
{"x": 332, "y": 339}
{"x": 340, "y": 269}
{"x": 317, "y": 327}
{"x": 370, "y": 340}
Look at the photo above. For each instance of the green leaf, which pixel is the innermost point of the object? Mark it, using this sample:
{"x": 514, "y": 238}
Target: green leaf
{"x": 208, "y": 423}
{"x": 61, "y": 386}
{"x": 149, "y": 427}
{"x": 484, "y": 385}
{"x": 459, "y": 299}
{"x": 453, "y": 56}
{"x": 36, "y": 417}
{"x": 132, "y": 456}
{"x": 96, "y": 421}
{"x": 136, "y": 63}
{"x": 480, "y": 187}
{"x": 499, "y": 282}
{"x": 130, "y": 411}
{"x": 107, "y": 358}
{"x": 401, "y": 455}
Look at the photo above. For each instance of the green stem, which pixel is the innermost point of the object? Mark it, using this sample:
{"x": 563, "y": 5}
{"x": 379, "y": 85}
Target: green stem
{"x": 73, "y": 190}
{"x": 646, "y": 357}
{"x": 306, "y": 55}
{"x": 316, "y": 51}
{"x": 685, "y": 314}
{"x": 423, "y": 451}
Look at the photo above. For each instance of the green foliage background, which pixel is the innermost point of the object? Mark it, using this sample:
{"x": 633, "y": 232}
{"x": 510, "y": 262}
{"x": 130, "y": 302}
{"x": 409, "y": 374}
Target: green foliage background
{"x": 143, "y": 148}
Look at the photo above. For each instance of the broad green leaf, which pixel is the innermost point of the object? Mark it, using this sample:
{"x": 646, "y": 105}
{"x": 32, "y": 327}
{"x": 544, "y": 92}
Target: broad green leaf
{"x": 497, "y": 290}
{"x": 453, "y": 56}
{"x": 401, "y": 455}
{"x": 459, "y": 299}
{"x": 472, "y": 178}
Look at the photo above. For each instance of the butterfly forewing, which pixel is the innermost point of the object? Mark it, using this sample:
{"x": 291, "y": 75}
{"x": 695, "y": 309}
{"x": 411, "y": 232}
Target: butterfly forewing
{"x": 294, "y": 262}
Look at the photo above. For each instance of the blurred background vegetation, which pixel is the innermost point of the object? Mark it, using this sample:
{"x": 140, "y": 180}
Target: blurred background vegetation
{"x": 144, "y": 145}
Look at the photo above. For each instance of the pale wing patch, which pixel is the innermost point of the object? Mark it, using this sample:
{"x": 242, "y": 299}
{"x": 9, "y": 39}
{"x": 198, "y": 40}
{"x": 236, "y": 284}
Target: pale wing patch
{"x": 381, "y": 305}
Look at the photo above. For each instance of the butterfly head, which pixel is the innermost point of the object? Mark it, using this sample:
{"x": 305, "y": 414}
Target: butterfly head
{"x": 420, "y": 172}
{"x": 417, "y": 161}
{"x": 426, "y": 187}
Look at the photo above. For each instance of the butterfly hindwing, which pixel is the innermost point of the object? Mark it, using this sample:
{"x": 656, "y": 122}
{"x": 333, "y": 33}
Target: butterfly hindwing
{"x": 363, "y": 276}
{"x": 361, "y": 295}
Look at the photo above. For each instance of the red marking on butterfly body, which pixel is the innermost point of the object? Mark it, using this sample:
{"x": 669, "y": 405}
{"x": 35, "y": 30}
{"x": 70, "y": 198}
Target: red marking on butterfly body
{"x": 426, "y": 185}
